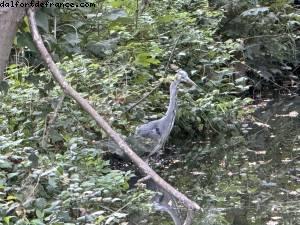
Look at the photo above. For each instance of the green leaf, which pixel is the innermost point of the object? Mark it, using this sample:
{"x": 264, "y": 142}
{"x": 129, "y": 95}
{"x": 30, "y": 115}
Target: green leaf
{"x": 36, "y": 222}
{"x": 7, "y": 219}
{"x": 100, "y": 219}
{"x": 4, "y": 164}
{"x": 109, "y": 220}
{"x": 39, "y": 213}
{"x": 71, "y": 38}
{"x": 145, "y": 59}
{"x": 25, "y": 40}
{"x": 11, "y": 197}
{"x": 120, "y": 215}
{"x": 42, "y": 20}
{"x": 12, "y": 175}
{"x": 40, "y": 203}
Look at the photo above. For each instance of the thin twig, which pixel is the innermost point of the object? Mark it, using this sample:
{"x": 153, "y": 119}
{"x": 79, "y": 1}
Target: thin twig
{"x": 266, "y": 35}
{"x": 157, "y": 86}
{"x": 137, "y": 15}
{"x": 172, "y": 53}
{"x": 35, "y": 187}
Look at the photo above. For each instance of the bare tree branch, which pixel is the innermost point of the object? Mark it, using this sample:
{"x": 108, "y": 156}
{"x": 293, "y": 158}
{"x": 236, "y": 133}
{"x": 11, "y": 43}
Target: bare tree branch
{"x": 68, "y": 90}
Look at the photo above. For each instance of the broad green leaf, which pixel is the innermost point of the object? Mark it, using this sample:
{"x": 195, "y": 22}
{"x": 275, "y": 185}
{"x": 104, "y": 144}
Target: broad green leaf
{"x": 42, "y": 20}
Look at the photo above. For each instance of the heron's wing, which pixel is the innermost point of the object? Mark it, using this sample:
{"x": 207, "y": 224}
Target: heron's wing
{"x": 149, "y": 130}
{"x": 111, "y": 146}
{"x": 141, "y": 145}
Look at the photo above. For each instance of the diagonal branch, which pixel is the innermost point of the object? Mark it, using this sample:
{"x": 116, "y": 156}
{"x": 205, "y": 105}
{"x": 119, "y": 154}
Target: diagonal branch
{"x": 68, "y": 90}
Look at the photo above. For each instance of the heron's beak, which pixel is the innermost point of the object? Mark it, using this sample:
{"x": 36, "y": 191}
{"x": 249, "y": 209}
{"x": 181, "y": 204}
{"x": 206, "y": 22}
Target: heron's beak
{"x": 189, "y": 81}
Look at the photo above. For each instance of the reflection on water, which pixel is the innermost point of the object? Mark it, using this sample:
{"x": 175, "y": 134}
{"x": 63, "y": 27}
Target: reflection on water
{"x": 251, "y": 178}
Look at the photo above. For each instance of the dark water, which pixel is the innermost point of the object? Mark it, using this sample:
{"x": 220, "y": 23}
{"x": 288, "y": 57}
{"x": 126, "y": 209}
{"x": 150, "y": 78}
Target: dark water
{"x": 250, "y": 175}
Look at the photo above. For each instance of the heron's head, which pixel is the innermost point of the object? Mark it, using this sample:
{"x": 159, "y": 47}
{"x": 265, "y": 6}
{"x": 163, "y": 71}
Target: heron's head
{"x": 182, "y": 76}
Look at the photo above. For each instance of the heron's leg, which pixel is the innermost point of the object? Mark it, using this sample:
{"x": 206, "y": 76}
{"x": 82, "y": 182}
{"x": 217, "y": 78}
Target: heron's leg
{"x": 154, "y": 151}
{"x": 154, "y": 155}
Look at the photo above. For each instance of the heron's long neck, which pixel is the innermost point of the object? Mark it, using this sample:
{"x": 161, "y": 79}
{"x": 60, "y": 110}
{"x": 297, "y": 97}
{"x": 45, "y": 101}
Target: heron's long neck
{"x": 171, "y": 112}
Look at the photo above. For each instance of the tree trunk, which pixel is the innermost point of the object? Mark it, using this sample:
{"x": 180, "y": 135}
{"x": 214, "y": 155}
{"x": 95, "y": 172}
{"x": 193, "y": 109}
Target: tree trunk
{"x": 9, "y": 19}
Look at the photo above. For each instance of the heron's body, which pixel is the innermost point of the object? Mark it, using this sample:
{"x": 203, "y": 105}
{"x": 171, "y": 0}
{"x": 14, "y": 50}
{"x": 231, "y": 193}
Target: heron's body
{"x": 159, "y": 130}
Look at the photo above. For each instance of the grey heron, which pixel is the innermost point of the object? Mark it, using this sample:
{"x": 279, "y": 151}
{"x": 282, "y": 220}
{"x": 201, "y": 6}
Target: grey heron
{"x": 159, "y": 130}
{"x": 151, "y": 137}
